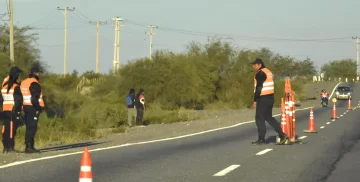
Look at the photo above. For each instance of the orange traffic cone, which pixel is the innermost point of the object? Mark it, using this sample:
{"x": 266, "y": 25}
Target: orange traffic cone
{"x": 334, "y": 115}
{"x": 349, "y": 105}
{"x": 284, "y": 125}
{"x": 311, "y": 128}
{"x": 85, "y": 168}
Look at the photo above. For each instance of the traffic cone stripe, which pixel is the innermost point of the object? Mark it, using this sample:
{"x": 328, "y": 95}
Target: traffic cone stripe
{"x": 85, "y": 180}
{"x": 85, "y": 168}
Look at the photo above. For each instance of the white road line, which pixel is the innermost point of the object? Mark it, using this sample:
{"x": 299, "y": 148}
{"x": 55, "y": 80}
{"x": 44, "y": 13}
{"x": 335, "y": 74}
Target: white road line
{"x": 332, "y": 93}
{"x": 264, "y": 152}
{"x": 328, "y": 123}
{"x": 131, "y": 144}
{"x": 341, "y": 115}
{"x": 302, "y": 137}
{"x": 227, "y": 170}
{"x": 321, "y": 127}
{"x": 333, "y": 120}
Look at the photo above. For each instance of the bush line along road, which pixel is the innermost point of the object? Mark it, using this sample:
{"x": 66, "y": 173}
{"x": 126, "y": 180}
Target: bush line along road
{"x": 223, "y": 155}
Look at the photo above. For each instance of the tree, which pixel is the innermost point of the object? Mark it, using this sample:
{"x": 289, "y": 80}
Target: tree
{"x": 26, "y": 54}
{"x": 344, "y": 68}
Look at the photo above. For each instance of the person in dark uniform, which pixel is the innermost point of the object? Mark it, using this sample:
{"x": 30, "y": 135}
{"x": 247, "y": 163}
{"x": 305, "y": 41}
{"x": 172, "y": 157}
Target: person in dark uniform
{"x": 33, "y": 104}
{"x": 264, "y": 101}
{"x": 11, "y": 102}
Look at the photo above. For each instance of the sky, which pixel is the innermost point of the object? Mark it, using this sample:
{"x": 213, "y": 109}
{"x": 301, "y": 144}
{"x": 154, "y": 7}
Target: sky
{"x": 278, "y": 25}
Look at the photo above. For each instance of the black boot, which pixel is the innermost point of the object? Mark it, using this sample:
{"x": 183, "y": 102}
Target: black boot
{"x": 33, "y": 148}
{"x": 283, "y": 138}
{"x": 11, "y": 148}
{"x": 260, "y": 141}
{"x": 5, "y": 150}
{"x": 30, "y": 148}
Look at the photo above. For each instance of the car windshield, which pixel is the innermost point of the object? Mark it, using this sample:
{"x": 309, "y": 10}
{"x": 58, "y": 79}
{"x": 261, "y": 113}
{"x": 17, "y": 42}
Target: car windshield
{"x": 343, "y": 89}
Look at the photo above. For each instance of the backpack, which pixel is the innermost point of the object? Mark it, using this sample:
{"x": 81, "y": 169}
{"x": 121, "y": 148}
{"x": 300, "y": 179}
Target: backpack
{"x": 129, "y": 101}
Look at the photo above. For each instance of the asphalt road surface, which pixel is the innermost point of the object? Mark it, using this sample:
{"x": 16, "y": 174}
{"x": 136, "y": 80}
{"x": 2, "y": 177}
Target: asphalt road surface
{"x": 224, "y": 155}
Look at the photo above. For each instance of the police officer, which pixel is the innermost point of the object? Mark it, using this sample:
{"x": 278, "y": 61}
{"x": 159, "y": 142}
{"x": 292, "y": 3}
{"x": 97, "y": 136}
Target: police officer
{"x": 11, "y": 101}
{"x": 264, "y": 101}
{"x": 33, "y": 104}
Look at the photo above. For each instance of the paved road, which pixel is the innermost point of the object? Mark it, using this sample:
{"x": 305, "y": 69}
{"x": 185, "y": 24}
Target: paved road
{"x": 199, "y": 158}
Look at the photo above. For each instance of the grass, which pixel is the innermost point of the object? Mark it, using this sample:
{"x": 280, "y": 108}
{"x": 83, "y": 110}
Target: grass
{"x": 68, "y": 131}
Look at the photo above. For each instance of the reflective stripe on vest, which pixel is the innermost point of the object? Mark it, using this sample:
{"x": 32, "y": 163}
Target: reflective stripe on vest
{"x": 8, "y": 98}
{"x": 25, "y": 86}
{"x": 268, "y": 85}
{"x": 5, "y": 80}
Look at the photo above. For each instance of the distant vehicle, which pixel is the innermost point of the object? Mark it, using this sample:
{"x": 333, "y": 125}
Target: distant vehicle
{"x": 343, "y": 92}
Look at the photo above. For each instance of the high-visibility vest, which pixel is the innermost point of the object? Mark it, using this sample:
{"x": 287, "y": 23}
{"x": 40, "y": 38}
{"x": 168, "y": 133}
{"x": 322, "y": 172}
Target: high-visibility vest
{"x": 25, "y": 90}
{"x": 268, "y": 86}
{"x": 324, "y": 94}
{"x": 5, "y": 80}
{"x": 8, "y": 98}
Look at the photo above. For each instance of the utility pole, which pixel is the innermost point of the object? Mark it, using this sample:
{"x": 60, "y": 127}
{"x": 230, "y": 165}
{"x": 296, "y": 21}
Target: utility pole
{"x": 11, "y": 23}
{"x": 98, "y": 23}
{"x": 65, "y": 11}
{"x": 150, "y": 34}
{"x": 116, "y": 62}
{"x": 357, "y": 55}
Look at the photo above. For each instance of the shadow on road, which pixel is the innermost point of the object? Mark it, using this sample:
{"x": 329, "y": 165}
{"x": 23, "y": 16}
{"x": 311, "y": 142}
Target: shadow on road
{"x": 271, "y": 139}
{"x": 70, "y": 146}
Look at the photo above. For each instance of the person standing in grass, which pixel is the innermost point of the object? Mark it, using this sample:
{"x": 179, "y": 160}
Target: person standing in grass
{"x": 33, "y": 103}
{"x": 140, "y": 106}
{"x": 130, "y": 102}
{"x": 11, "y": 101}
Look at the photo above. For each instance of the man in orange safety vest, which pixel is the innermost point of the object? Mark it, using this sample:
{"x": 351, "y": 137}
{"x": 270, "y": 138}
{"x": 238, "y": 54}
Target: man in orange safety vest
{"x": 33, "y": 104}
{"x": 264, "y": 101}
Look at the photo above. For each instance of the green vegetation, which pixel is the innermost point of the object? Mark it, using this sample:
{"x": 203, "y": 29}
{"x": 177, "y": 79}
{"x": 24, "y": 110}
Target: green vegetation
{"x": 210, "y": 76}
{"x": 345, "y": 68}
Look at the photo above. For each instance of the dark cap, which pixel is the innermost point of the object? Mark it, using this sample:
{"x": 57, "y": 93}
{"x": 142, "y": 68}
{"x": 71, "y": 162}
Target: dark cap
{"x": 15, "y": 72}
{"x": 258, "y": 61}
{"x": 34, "y": 70}
{"x": 15, "y": 69}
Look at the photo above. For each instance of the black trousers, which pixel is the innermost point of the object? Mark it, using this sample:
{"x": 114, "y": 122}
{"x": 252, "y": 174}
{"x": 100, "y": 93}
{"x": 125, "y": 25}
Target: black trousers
{"x": 264, "y": 107}
{"x": 11, "y": 123}
{"x": 139, "y": 116}
{"x": 31, "y": 122}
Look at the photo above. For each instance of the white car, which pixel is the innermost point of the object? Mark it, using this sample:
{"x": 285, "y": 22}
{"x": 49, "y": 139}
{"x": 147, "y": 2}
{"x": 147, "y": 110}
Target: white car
{"x": 343, "y": 92}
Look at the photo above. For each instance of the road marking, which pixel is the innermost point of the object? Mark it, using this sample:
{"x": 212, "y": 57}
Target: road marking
{"x": 131, "y": 144}
{"x": 328, "y": 123}
{"x": 341, "y": 115}
{"x": 302, "y": 137}
{"x": 333, "y": 120}
{"x": 321, "y": 127}
{"x": 264, "y": 152}
{"x": 227, "y": 170}
{"x": 332, "y": 93}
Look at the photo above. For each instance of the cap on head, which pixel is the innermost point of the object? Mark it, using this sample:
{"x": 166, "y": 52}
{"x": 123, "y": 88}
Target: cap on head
{"x": 258, "y": 61}
{"x": 15, "y": 72}
{"x": 15, "y": 69}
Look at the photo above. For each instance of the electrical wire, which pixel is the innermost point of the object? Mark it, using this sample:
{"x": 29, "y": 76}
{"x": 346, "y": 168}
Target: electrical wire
{"x": 250, "y": 38}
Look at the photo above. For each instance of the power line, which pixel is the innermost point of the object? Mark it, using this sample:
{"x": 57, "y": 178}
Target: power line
{"x": 250, "y": 38}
